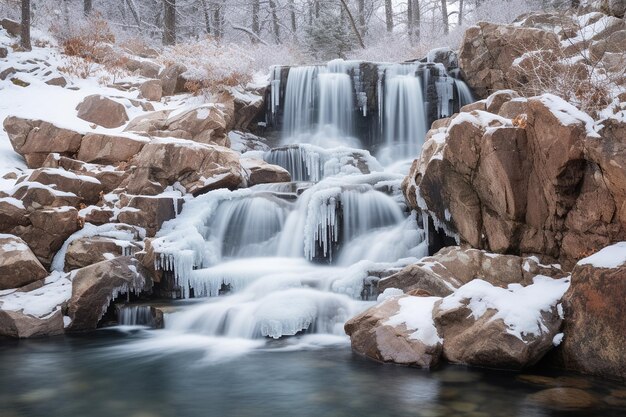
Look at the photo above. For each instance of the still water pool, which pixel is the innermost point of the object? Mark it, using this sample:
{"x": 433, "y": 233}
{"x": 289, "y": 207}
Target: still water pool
{"x": 95, "y": 375}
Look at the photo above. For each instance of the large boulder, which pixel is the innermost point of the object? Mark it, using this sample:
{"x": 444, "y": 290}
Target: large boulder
{"x": 37, "y": 312}
{"x": 488, "y": 51}
{"x": 595, "y": 334}
{"x": 172, "y": 79}
{"x": 509, "y": 328}
{"x": 12, "y": 214}
{"x": 450, "y": 268}
{"x": 12, "y": 27}
{"x": 85, "y": 187}
{"x": 197, "y": 167}
{"x": 102, "y": 111}
{"x": 109, "y": 177}
{"x": 18, "y": 264}
{"x": 535, "y": 184}
{"x": 204, "y": 124}
{"x": 47, "y": 231}
{"x": 152, "y": 90}
{"x": 35, "y": 195}
{"x": 108, "y": 149}
{"x": 94, "y": 287}
{"x": 87, "y": 251}
{"x": 400, "y": 330}
{"x": 35, "y": 139}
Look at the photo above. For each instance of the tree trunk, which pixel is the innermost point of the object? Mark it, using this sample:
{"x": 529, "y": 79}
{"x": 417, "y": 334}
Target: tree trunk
{"x": 417, "y": 19}
{"x": 217, "y": 21}
{"x": 87, "y": 7}
{"x": 444, "y": 17}
{"x": 292, "y": 15}
{"x": 256, "y": 9}
{"x": 389, "y": 15}
{"x": 275, "y": 23}
{"x": 409, "y": 20}
{"x": 133, "y": 10}
{"x": 352, "y": 23}
{"x": 26, "y": 25}
{"x": 460, "y": 12}
{"x": 169, "y": 21}
{"x": 361, "y": 6}
{"x": 207, "y": 17}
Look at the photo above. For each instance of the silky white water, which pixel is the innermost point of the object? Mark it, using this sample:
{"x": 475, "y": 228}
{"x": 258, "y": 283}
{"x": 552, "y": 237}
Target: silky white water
{"x": 294, "y": 261}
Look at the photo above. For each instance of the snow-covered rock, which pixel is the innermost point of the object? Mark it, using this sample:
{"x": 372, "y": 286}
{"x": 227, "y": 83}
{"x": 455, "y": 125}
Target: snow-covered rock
{"x": 18, "y": 264}
{"x": 102, "y": 111}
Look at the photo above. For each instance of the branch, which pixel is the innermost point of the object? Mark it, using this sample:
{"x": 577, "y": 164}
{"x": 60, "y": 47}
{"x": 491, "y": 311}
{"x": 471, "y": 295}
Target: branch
{"x": 353, "y": 24}
{"x": 249, "y": 32}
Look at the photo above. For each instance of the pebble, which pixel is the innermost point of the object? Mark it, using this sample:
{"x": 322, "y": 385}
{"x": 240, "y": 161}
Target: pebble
{"x": 463, "y": 407}
{"x": 564, "y": 399}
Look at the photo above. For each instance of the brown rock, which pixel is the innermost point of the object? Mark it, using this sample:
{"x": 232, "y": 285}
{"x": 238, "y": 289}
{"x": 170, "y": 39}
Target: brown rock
{"x": 149, "y": 123}
{"x": 102, "y": 111}
{"x": 39, "y": 138}
{"x": 19, "y": 325}
{"x": 108, "y": 149}
{"x": 35, "y": 196}
{"x": 496, "y": 100}
{"x": 595, "y": 341}
{"x": 90, "y": 250}
{"x": 173, "y": 82}
{"x": 85, "y": 187}
{"x": 373, "y": 336}
{"x": 514, "y": 108}
{"x": 94, "y": 287}
{"x": 18, "y": 264}
{"x": 260, "y": 172}
{"x": 564, "y": 399}
{"x": 11, "y": 26}
{"x": 12, "y": 214}
{"x": 198, "y": 167}
{"x": 148, "y": 212}
{"x": 48, "y": 230}
{"x": 152, "y": 90}
{"x": 59, "y": 81}
{"x": 206, "y": 124}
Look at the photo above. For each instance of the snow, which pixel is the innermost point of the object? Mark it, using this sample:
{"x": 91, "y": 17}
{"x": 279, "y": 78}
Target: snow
{"x": 519, "y": 307}
{"x": 43, "y": 301}
{"x": 389, "y": 293}
{"x": 611, "y": 257}
{"x": 417, "y": 314}
{"x": 15, "y": 245}
{"x": 13, "y": 201}
{"x": 567, "y": 114}
{"x": 558, "y": 338}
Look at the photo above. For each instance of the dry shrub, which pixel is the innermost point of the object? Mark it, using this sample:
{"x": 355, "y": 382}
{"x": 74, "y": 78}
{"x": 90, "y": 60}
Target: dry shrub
{"x": 578, "y": 77}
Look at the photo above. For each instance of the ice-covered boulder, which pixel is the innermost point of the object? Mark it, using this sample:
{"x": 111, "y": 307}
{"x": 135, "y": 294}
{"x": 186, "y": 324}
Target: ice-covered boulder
{"x": 400, "y": 330}
{"x": 102, "y": 111}
{"x": 595, "y": 332}
{"x": 95, "y": 286}
{"x": 18, "y": 264}
{"x": 87, "y": 251}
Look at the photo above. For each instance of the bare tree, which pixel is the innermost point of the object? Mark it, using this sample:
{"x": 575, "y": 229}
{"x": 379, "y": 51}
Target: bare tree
{"x": 389, "y": 15}
{"x": 353, "y": 23}
{"x": 169, "y": 20}
{"x": 461, "y": 12}
{"x": 275, "y": 21}
{"x": 26, "y": 25}
{"x": 218, "y": 19}
{"x": 87, "y": 7}
{"x": 256, "y": 10}
{"x": 361, "y": 12}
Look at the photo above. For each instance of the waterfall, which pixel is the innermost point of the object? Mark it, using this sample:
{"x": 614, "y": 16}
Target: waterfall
{"x": 135, "y": 315}
{"x": 299, "y": 100}
{"x": 298, "y": 259}
{"x": 464, "y": 92}
{"x": 404, "y": 121}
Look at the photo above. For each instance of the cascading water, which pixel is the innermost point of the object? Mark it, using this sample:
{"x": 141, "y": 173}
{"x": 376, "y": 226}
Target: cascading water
{"x": 300, "y": 258}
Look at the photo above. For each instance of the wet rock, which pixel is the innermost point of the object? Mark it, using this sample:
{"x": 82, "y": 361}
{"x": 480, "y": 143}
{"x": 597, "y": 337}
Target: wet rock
{"x": 95, "y": 286}
{"x": 260, "y": 172}
{"x": 18, "y": 264}
{"x": 16, "y": 324}
{"x": 380, "y": 333}
{"x": 564, "y": 399}
{"x": 102, "y": 111}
